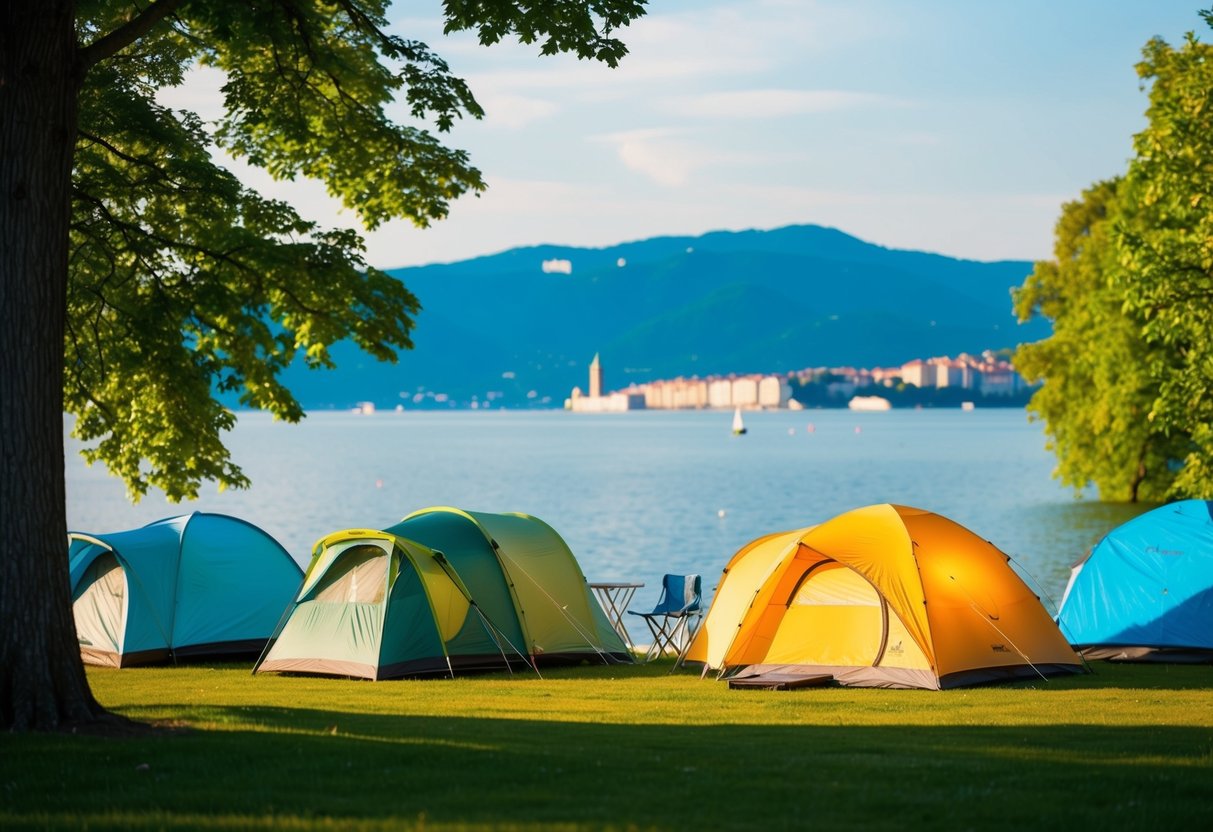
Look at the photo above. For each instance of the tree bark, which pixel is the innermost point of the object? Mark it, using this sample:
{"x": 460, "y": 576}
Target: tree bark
{"x": 42, "y": 681}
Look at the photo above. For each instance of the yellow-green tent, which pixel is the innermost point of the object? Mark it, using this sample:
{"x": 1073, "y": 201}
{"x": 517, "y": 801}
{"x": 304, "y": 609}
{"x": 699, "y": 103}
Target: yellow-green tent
{"x": 882, "y": 596}
{"x": 443, "y": 590}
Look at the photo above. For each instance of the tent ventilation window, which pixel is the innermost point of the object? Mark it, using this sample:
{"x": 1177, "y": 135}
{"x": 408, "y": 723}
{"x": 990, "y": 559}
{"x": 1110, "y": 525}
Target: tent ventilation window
{"x": 359, "y": 576}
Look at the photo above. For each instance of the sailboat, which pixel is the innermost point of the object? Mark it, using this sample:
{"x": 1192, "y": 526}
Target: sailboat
{"x": 738, "y": 425}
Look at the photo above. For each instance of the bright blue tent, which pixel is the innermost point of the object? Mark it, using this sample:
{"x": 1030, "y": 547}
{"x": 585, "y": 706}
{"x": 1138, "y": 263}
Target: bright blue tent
{"x": 189, "y": 586}
{"x": 1145, "y": 592}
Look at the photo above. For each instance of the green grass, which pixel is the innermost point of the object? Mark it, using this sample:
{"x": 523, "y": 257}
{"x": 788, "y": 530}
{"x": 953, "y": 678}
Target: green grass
{"x": 624, "y": 748}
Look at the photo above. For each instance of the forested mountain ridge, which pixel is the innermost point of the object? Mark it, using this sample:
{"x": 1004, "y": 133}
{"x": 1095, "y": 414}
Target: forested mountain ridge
{"x": 723, "y": 302}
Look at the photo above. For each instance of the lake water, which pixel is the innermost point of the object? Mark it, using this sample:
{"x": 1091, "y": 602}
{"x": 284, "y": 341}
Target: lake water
{"x": 640, "y": 494}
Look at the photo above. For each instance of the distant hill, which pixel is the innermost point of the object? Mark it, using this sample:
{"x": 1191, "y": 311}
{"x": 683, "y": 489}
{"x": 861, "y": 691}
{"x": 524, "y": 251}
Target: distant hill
{"x": 750, "y": 301}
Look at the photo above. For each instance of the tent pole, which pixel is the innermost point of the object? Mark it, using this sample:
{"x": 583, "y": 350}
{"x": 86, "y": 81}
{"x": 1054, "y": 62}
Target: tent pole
{"x": 1057, "y": 618}
{"x": 563, "y": 610}
{"x": 497, "y": 637}
{"x": 493, "y": 629}
{"x": 986, "y": 618}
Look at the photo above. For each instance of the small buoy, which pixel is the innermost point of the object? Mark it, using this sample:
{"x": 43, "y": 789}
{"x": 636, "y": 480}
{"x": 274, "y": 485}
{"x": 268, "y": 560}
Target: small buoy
{"x": 720, "y": 513}
{"x": 379, "y": 483}
{"x": 811, "y": 428}
{"x": 858, "y": 429}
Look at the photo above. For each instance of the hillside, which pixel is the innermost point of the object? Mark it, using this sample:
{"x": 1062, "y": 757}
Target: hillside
{"x": 751, "y": 301}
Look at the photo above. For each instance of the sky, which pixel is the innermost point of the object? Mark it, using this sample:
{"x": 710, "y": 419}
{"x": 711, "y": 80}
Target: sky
{"x": 952, "y": 126}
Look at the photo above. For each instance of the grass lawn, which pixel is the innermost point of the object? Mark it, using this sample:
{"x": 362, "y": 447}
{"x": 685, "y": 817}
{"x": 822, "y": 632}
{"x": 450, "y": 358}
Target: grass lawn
{"x": 624, "y": 748}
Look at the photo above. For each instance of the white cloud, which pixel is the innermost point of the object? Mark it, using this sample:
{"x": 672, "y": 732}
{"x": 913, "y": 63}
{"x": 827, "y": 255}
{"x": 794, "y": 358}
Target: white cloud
{"x": 773, "y": 103}
{"x": 897, "y": 157}
{"x": 657, "y": 154}
{"x": 515, "y": 111}
{"x": 670, "y": 156}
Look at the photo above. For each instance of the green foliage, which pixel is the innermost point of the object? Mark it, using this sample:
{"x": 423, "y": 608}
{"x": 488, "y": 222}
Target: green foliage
{"x": 184, "y": 283}
{"x": 1128, "y": 372}
{"x": 1168, "y": 254}
{"x": 1098, "y": 387}
{"x": 579, "y": 26}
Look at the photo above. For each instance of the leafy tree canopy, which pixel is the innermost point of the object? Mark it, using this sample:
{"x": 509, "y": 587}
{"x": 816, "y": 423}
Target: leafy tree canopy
{"x": 1168, "y": 254}
{"x": 183, "y": 282}
{"x": 1128, "y": 372}
{"x": 1098, "y": 388}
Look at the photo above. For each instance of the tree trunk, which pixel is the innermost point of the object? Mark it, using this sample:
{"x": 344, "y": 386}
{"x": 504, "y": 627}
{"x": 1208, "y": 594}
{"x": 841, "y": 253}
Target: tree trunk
{"x": 1139, "y": 476}
{"x": 42, "y": 681}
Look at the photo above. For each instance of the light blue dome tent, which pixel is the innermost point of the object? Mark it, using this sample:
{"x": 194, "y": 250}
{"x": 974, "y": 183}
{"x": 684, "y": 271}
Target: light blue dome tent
{"x": 1145, "y": 592}
{"x": 191, "y": 586}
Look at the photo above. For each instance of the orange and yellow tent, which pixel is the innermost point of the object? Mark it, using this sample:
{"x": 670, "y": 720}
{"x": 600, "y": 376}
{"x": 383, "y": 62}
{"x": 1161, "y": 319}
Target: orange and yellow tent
{"x": 882, "y": 596}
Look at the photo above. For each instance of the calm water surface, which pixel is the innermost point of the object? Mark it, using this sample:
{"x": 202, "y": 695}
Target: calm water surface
{"x": 640, "y": 494}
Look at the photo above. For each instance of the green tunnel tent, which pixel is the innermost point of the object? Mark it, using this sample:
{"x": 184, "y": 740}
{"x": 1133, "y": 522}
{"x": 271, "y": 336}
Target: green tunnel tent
{"x": 520, "y": 569}
{"x": 194, "y": 586}
{"x": 383, "y": 604}
{"x": 377, "y": 606}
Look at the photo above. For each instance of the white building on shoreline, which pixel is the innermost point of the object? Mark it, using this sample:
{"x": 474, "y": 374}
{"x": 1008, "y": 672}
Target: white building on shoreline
{"x": 749, "y": 392}
{"x": 596, "y": 402}
{"x": 987, "y": 374}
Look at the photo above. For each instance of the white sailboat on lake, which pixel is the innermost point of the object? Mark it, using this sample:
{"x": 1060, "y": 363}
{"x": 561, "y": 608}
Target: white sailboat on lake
{"x": 738, "y": 425}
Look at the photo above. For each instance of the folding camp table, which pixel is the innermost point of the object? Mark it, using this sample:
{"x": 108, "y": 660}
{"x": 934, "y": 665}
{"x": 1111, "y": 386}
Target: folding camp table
{"x": 614, "y": 598}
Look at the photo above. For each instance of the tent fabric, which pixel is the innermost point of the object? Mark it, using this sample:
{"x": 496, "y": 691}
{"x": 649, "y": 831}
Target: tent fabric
{"x": 559, "y": 620}
{"x": 99, "y": 604}
{"x": 456, "y": 590}
{"x": 1145, "y": 591}
{"x": 195, "y": 585}
{"x": 336, "y": 623}
{"x": 884, "y": 595}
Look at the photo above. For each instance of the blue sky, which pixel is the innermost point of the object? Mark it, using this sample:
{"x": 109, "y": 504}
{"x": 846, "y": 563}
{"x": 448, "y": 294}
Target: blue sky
{"x": 940, "y": 125}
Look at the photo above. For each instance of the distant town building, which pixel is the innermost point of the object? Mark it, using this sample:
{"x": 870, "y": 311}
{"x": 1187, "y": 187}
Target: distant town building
{"x": 919, "y": 373}
{"x": 595, "y": 377}
{"x": 986, "y": 374}
{"x": 949, "y": 373}
{"x": 717, "y": 392}
{"x": 720, "y": 393}
{"x": 595, "y": 402}
{"x": 773, "y": 392}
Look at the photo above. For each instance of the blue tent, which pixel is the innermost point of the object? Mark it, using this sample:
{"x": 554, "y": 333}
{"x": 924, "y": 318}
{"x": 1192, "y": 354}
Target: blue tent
{"x": 189, "y": 586}
{"x": 1145, "y": 592}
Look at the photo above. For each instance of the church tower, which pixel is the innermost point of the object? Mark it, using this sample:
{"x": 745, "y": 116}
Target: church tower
{"x": 595, "y": 378}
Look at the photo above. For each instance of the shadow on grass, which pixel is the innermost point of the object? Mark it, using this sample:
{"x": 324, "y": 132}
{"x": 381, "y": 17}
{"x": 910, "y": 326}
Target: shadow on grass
{"x": 296, "y": 766}
{"x": 1105, "y": 675}
{"x": 1100, "y": 675}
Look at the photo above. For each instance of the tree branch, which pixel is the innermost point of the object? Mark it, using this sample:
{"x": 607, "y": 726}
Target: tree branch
{"x": 127, "y": 33}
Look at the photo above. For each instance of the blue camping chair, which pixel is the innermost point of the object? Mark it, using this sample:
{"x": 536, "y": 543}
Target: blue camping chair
{"x": 673, "y": 620}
